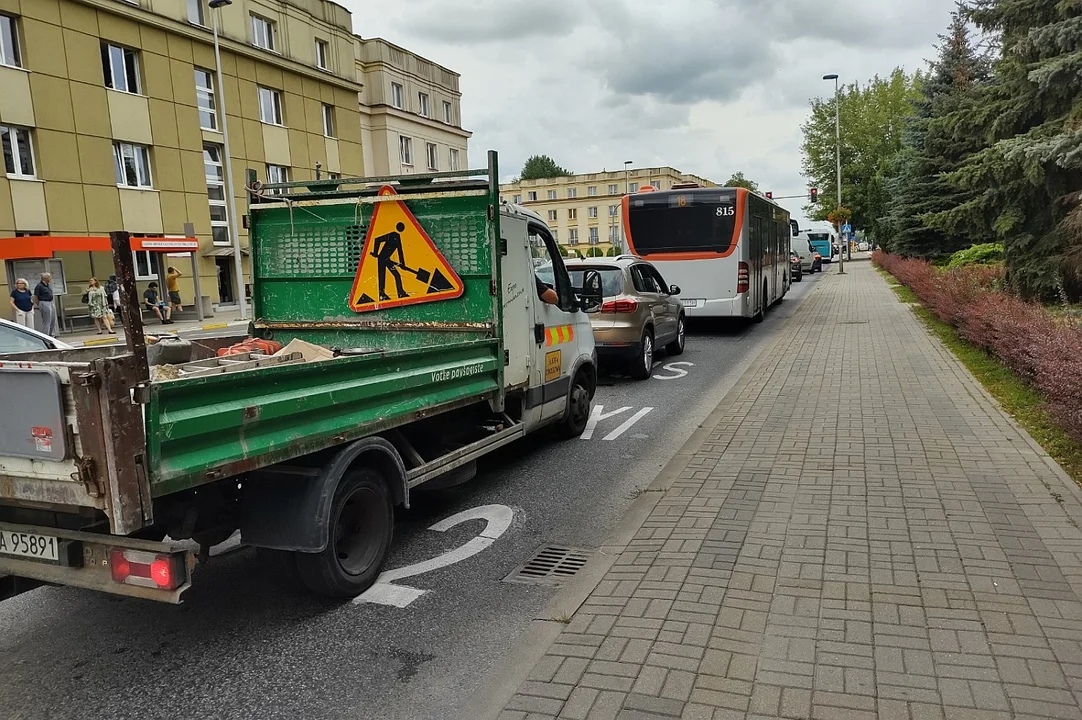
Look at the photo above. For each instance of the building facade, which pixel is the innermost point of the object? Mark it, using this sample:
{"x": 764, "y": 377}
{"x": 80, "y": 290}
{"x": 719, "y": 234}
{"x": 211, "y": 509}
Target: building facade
{"x": 583, "y": 211}
{"x": 111, "y": 119}
{"x": 411, "y": 114}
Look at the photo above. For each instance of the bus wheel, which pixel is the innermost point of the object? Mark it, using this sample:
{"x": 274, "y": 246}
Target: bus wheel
{"x": 761, "y": 315}
{"x": 643, "y": 362}
{"x": 359, "y": 536}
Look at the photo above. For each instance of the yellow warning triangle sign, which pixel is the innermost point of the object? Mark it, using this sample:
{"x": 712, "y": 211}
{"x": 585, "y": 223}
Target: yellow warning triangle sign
{"x": 399, "y": 264}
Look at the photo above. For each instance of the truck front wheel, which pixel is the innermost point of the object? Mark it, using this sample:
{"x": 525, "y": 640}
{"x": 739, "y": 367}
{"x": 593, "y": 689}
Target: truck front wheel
{"x": 359, "y": 537}
{"x": 578, "y": 408}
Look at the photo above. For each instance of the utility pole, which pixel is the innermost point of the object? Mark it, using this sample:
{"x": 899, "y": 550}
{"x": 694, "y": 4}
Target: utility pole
{"x": 838, "y": 157}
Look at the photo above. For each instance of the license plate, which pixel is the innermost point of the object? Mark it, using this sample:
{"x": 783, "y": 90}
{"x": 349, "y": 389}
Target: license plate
{"x": 690, "y": 302}
{"x": 39, "y": 547}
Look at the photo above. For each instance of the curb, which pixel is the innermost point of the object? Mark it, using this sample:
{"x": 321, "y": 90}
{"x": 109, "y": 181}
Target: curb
{"x": 492, "y": 696}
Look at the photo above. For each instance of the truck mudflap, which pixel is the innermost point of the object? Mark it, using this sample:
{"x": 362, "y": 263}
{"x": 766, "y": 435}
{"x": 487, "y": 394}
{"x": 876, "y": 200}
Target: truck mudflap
{"x": 31, "y": 555}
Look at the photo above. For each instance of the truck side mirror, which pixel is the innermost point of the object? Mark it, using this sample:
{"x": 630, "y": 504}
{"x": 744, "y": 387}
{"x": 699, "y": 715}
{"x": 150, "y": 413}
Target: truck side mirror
{"x": 674, "y": 289}
{"x": 591, "y": 297}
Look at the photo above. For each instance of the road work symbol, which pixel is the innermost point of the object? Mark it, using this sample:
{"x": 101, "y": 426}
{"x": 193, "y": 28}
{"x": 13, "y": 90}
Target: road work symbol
{"x": 400, "y": 265}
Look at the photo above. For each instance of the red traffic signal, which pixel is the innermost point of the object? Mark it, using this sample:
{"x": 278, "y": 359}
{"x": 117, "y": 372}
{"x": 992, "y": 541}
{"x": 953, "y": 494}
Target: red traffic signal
{"x": 814, "y": 194}
{"x": 770, "y": 196}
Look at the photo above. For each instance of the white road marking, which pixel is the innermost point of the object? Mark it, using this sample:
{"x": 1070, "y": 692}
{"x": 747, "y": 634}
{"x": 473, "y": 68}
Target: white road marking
{"x": 676, "y": 369}
{"x": 596, "y": 416}
{"x": 628, "y": 423}
{"x": 497, "y": 519}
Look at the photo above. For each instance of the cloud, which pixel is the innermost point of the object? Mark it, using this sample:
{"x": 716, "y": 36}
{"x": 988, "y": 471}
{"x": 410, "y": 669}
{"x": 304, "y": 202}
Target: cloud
{"x": 706, "y": 86}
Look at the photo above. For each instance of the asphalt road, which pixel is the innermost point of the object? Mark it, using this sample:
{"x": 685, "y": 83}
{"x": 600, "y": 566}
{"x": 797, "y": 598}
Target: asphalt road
{"x": 242, "y": 646}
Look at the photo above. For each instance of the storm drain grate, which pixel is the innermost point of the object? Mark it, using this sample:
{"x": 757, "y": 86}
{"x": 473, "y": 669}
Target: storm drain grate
{"x": 551, "y": 565}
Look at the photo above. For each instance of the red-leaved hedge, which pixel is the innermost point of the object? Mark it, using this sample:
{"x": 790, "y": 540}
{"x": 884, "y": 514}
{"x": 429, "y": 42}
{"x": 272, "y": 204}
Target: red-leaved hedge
{"x": 1043, "y": 351}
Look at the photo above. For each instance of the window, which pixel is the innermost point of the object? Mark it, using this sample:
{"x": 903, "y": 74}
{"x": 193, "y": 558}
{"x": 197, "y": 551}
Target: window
{"x": 334, "y": 176}
{"x": 195, "y": 13}
{"x": 572, "y": 193}
{"x": 532, "y": 195}
{"x": 397, "y": 96}
{"x": 422, "y": 104}
{"x": 328, "y": 121}
{"x": 573, "y": 236}
{"x": 144, "y": 265}
{"x": 516, "y": 199}
{"x": 432, "y": 153}
{"x": 215, "y": 172}
{"x": 204, "y": 95}
{"x": 405, "y": 150}
{"x": 448, "y": 113}
{"x": 656, "y": 184}
{"x": 277, "y": 174}
{"x": 593, "y": 236}
{"x": 263, "y": 31}
{"x": 18, "y": 152}
{"x": 614, "y": 189}
{"x": 132, "y": 165}
{"x": 614, "y": 234}
{"x": 592, "y": 190}
{"x": 552, "y": 216}
{"x": 121, "y": 67}
{"x": 556, "y": 235}
{"x": 552, "y": 194}
{"x": 644, "y": 280}
{"x": 454, "y": 159}
{"x": 613, "y": 210}
{"x": 592, "y": 211}
{"x": 321, "y": 55}
{"x": 9, "y": 42}
{"x": 572, "y": 214}
{"x": 270, "y": 106}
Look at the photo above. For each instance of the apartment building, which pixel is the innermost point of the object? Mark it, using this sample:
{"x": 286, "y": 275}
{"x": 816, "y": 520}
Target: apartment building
{"x": 411, "y": 115}
{"x": 111, "y": 118}
{"x": 583, "y": 211}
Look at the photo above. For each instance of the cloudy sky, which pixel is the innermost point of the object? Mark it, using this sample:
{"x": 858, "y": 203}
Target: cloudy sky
{"x": 706, "y": 86}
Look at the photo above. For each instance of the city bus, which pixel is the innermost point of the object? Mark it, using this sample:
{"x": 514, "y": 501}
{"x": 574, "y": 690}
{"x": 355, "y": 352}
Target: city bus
{"x": 824, "y": 239}
{"x": 727, "y": 248}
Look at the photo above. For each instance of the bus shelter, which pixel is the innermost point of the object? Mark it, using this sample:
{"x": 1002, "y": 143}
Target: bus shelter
{"x": 29, "y": 256}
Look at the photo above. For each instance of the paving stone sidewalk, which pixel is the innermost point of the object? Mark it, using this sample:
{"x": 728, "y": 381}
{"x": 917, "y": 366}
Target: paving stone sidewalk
{"x": 894, "y": 548}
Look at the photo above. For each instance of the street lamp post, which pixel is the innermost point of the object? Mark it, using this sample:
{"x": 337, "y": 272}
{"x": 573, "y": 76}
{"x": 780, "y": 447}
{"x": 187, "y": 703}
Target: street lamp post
{"x": 838, "y": 158}
{"x": 627, "y": 191}
{"x": 234, "y": 235}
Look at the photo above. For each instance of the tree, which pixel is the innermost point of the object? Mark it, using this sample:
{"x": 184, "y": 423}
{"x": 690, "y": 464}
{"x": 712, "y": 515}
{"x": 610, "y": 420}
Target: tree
{"x": 538, "y": 167}
{"x": 872, "y": 121}
{"x": 1025, "y": 183}
{"x": 738, "y": 180}
{"x": 918, "y": 190}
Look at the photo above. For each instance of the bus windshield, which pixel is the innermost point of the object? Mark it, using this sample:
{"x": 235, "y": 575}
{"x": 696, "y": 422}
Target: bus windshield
{"x": 682, "y": 222}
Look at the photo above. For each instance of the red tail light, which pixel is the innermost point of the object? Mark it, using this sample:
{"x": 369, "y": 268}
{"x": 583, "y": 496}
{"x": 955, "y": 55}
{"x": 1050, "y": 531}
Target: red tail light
{"x": 743, "y": 278}
{"x": 135, "y": 567}
{"x": 620, "y": 306}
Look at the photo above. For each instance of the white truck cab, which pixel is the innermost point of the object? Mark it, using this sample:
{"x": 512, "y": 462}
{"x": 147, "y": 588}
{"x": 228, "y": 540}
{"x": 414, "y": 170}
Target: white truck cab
{"x": 550, "y": 347}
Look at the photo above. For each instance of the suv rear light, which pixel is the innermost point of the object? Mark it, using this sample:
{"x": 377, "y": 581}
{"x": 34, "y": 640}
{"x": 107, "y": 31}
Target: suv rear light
{"x": 620, "y": 306}
{"x": 145, "y": 569}
{"x": 743, "y": 278}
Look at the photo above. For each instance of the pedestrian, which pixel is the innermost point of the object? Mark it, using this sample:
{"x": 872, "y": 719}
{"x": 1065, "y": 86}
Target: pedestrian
{"x": 173, "y": 288}
{"x": 43, "y": 300}
{"x": 159, "y": 308}
{"x": 22, "y": 302}
{"x": 112, "y": 292}
{"x": 98, "y": 302}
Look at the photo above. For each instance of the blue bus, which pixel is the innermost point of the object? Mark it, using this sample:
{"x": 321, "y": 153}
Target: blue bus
{"x": 824, "y": 242}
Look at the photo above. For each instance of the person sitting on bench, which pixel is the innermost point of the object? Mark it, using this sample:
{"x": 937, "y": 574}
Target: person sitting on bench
{"x": 161, "y": 309}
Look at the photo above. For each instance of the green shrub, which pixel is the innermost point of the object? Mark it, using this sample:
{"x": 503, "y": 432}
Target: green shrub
{"x": 983, "y": 254}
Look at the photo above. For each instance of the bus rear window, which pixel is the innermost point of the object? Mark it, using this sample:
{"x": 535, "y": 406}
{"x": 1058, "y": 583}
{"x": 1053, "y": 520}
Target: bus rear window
{"x": 818, "y": 237}
{"x": 703, "y": 223}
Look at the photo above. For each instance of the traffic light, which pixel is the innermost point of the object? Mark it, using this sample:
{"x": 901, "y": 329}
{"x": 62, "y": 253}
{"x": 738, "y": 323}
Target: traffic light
{"x": 814, "y": 194}
{"x": 770, "y": 196}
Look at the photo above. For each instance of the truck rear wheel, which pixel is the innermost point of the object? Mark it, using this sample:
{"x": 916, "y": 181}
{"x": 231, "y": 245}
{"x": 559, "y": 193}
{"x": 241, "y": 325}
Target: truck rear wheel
{"x": 359, "y": 537}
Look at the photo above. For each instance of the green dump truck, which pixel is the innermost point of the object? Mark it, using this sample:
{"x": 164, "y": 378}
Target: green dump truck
{"x": 415, "y": 338}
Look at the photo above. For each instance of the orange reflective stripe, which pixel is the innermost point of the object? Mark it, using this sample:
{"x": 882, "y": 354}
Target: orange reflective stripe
{"x": 548, "y": 336}
{"x": 570, "y": 333}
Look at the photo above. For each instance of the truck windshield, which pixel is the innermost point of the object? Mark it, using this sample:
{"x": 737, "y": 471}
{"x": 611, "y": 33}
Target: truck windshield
{"x": 682, "y": 222}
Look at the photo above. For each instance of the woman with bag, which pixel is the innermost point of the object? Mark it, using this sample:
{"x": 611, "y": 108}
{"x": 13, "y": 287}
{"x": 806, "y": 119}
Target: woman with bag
{"x": 98, "y": 301}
